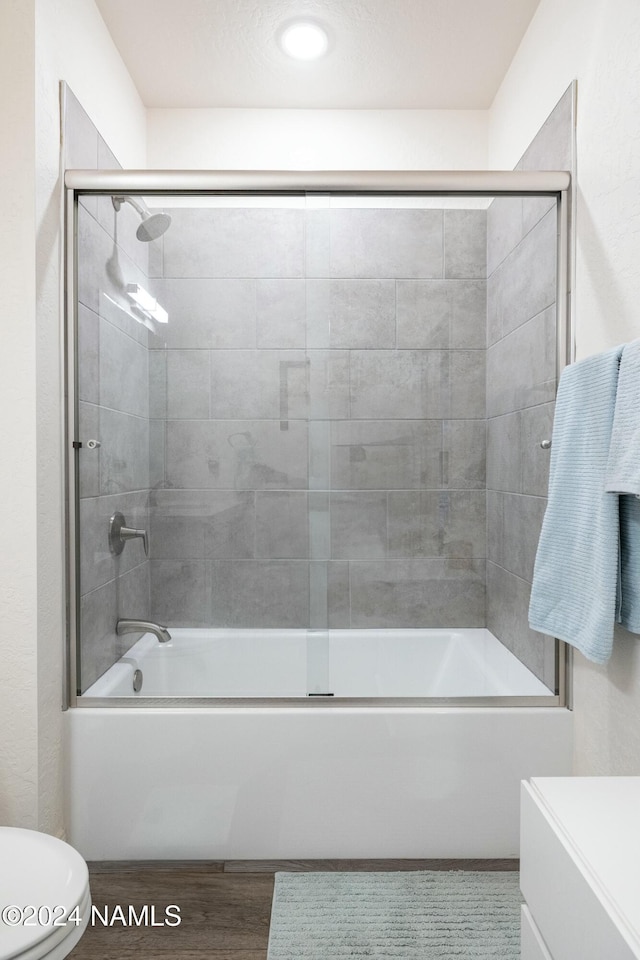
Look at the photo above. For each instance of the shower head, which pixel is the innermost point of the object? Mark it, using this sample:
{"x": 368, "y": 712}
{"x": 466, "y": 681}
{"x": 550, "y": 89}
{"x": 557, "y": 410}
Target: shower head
{"x": 153, "y": 224}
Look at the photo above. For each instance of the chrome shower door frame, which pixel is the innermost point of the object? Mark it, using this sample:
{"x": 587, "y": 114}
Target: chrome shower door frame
{"x": 457, "y": 183}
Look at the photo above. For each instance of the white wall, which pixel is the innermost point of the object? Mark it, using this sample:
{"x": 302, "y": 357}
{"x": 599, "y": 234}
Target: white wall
{"x": 597, "y": 42}
{"x": 235, "y": 139}
{"x": 18, "y": 580}
{"x": 41, "y": 43}
{"x": 72, "y": 44}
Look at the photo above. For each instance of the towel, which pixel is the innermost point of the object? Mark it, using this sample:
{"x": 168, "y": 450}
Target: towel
{"x": 628, "y": 613}
{"x": 623, "y": 478}
{"x": 623, "y": 468}
{"x": 574, "y": 592}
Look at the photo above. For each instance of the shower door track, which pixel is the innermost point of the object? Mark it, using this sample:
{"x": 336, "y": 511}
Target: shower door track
{"x": 457, "y": 183}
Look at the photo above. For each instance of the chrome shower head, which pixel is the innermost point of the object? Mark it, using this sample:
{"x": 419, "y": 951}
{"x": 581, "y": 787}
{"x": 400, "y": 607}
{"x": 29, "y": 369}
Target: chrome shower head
{"x": 153, "y": 224}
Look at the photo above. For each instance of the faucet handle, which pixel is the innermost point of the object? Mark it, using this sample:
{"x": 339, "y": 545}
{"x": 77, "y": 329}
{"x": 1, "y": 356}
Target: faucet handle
{"x": 119, "y": 533}
{"x": 130, "y": 533}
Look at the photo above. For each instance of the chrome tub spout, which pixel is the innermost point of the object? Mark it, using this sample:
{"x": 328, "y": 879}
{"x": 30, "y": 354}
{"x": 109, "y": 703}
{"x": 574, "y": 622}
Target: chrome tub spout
{"x": 143, "y": 626}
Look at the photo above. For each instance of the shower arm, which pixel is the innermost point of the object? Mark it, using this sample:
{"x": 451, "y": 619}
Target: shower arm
{"x": 118, "y": 201}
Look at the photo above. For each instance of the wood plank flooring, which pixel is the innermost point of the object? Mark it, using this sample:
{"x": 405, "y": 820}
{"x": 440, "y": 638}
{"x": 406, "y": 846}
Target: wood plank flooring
{"x": 225, "y": 907}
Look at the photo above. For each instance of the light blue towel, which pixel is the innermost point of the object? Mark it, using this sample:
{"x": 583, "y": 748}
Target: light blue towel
{"x": 628, "y": 613}
{"x": 574, "y": 592}
{"x": 623, "y": 477}
{"x": 623, "y": 468}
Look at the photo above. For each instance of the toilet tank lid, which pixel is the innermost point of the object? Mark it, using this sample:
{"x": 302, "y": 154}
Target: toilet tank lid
{"x": 37, "y": 870}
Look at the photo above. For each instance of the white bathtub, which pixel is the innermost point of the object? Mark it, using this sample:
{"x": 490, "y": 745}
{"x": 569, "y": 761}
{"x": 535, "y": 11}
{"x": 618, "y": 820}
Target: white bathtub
{"x": 282, "y": 781}
{"x": 291, "y": 663}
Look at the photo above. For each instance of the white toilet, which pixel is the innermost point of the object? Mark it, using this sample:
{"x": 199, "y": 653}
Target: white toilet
{"x": 39, "y": 871}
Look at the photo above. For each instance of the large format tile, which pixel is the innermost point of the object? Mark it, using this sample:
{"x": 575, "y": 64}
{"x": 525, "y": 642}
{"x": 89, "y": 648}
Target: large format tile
{"x": 358, "y": 525}
{"x": 521, "y": 368}
{"x": 439, "y": 314}
{"x": 104, "y": 270}
{"x": 417, "y": 384}
{"x": 386, "y": 455}
{"x": 156, "y": 453}
{"x": 188, "y": 383}
{"x": 243, "y": 242}
{"x": 98, "y": 564}
{"x": 88, "y": 383}
{"x": 133, "y": 602}
{"x": 495, "y": 526}
{"x": 507, "y": 618}
{"x": 282, "y": 525}
{"x": 124, "y": 452}
{"x": 378, "y": 243}
{"x": 522, "y": 522}
{"x": 260, "y": 593}
{"x": 98, "y": 645}
{"x": 550, "y": 149}
{"x": 525, "y": 282}
{"x": 319, "y": 521}
{"x": 124, "y": 372}
{"x": 403, "y": 384}
{"x": 466, "y": 384}
{"x": 79, "y": 142}
{"x": 338, "y": 595}
{"x": 328, "y": 384}
{"x": 465, "y": 244}
{"x": 536, "y": 427}
{"x": 259, "y": 384}
{"x": 281, "y": 307}
{"x": 504, "y": 453}
{"x": 240, "y": 455}
{"x": 504, "y": 232}
{"x": 437, "y": 524}
{"x": 180, "y": 593}
{"x": 202, "y": 524}
{"x": 88, "y": 460}
{"x": 418, "y": 593}
{"x": 356, "y": 314}
{"x": 207, "y": 314}
{"x": 464, "y": 451}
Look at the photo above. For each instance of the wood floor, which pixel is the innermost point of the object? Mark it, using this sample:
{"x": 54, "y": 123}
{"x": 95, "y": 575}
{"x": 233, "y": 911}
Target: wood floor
{"x": 225, "y": 907}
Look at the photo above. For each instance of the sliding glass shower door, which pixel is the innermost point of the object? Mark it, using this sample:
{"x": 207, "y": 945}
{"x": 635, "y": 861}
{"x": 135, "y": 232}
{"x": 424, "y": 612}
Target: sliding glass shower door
{"x": 283, "y": 421}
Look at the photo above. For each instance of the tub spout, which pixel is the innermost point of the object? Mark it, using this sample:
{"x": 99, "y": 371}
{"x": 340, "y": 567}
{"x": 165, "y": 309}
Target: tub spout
{"x": 143, "y": 626}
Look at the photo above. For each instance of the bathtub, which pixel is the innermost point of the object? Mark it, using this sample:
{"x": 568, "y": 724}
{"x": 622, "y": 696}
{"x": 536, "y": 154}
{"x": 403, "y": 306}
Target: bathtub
{"x": 339, "y": 776}
{"x": 348, "y": 663}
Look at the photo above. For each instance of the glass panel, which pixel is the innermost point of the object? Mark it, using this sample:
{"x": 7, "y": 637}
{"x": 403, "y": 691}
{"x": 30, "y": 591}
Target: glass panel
{"x": 325, "y": 414}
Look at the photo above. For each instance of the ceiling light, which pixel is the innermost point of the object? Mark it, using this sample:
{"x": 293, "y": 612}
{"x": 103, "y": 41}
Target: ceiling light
{"x": 304, "y": 40}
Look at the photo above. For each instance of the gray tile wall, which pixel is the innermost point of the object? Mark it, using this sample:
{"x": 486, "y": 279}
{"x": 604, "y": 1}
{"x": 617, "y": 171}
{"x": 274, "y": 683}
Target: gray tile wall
{"x": 318, "y": 445}
{"x": 311, "y": 441}
{"x": 113, "y": 395}
{"x": 521, "y": 384}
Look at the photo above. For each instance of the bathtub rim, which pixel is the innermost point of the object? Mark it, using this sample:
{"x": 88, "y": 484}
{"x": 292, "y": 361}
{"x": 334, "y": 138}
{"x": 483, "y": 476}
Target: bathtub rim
{"x": 321, "y": 702}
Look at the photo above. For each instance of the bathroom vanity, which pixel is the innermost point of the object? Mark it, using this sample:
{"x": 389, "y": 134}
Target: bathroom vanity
{"x": 580, "y": 868}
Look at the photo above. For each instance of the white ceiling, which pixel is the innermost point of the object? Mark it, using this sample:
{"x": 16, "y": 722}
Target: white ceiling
{"x": 431, "y": 54}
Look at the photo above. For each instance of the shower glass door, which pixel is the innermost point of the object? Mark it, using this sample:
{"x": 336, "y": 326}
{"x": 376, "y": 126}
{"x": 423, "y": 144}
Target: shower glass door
{"x": 296, "y": 417}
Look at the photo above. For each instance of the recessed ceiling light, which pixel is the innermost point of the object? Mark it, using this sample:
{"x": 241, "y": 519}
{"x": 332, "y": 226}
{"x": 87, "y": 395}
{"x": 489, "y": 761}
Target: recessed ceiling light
{"x": 304, "y": 40}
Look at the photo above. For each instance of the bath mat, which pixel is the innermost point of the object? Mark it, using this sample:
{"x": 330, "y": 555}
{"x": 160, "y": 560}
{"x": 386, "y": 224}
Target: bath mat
{"x": 422, "y": 915}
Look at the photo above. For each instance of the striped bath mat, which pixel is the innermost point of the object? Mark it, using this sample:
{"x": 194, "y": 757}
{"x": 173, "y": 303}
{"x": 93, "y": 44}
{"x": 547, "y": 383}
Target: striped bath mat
{"x": 417, "y": 915}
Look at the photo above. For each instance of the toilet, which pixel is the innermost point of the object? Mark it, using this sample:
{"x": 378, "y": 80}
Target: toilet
{"x": 39, "y": 871}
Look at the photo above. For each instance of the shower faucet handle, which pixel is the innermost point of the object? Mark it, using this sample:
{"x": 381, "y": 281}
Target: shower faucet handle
{"x": 119, "y": 533}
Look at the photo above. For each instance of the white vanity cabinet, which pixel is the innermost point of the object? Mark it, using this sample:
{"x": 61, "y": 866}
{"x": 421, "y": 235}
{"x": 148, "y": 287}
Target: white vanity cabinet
{"x": 580, "y": 868}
